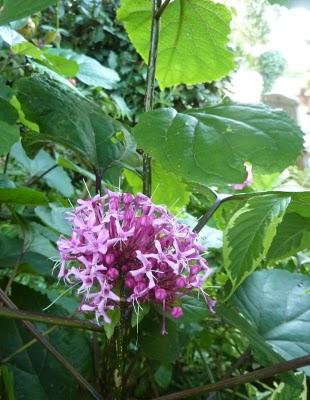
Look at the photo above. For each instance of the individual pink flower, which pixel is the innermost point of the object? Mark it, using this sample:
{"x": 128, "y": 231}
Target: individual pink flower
{"x": 125, "y": 241}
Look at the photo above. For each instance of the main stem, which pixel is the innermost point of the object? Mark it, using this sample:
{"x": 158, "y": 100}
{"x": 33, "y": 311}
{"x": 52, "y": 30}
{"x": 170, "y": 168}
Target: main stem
{"x": 149, "y": 94}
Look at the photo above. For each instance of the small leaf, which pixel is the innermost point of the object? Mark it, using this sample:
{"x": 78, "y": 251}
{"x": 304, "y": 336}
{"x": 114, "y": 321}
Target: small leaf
{"x": 115, "y": 316}
{"x": 22, "y": 195}
{"x": 193, "y": 39}
{"x": 167, "y": 188}
{"x": 9, "y": 131}
{"x": 55, "y": 217}
{"x": 12, "y": 11}
{"x": 293, "y": 235}
{"x": 57, "y": 178}
{"x": 163, "y": 376}
{"x": 249, "y": 235}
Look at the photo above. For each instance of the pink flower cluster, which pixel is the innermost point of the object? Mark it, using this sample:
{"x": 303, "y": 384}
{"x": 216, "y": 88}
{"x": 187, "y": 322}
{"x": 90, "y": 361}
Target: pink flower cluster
{"x": 125, "y": 241}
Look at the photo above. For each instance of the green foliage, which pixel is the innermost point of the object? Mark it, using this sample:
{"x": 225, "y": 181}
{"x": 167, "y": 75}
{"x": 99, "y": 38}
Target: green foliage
{"x": 177, "y": 37}
{"x": 276, "y": 304}
{"x": 21, "y": 8}
{"x": 8, "y": 128}
{"x": 70, "y": 120}
{"x": 288, "y": 392}
{"x": 34, "y": 369}
{"x": 22, "y": 195}
{"x": 293, "y": 235}
{"x": 79, "y": 128}
{"x": 210, "y": 145}
{"x": 249, "y": 234}
{"x": 271, "y": 65}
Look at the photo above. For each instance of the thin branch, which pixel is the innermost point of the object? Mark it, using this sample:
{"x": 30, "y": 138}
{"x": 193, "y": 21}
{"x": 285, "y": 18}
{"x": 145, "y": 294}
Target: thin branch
{"x": 16, "y": 266}
{"x": 259, "y": 374}
{"x": 149, "y": 94}
{"x": 6, "y": 163}
{"x": 34, "y": 179}
{"x": 48, "y": 319}
{"x": 51, "y": 349}
{"x": 205, "y": 218}
{"x": 162, "y": 8}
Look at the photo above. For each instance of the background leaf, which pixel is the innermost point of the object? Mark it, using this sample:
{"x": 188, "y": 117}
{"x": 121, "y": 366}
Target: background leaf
{"x": 9, "y": 132}
{"x": 57, "y": 178}
{"x": 34, "y": 367}
{"x": 22, "y": 195}
{"x": 11, "y": 11}
{"x": 192, "y": 41}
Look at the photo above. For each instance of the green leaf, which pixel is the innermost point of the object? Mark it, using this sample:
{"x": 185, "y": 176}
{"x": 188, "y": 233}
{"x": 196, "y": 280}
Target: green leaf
{"x": 263, "y": 351}
{"x": 57, "y": 178}
{"x": 61, "y": 65}
{"x": 190, "y": 30}
{"x": 17, "y": 9}
{"x": 276, "y": 305}
{"x": 35, "y": 259}
{"x": 167, "y": 188}
{"x": 195, "y": 310}
{"x": 287, "y": 392}
{"x": 163, "y": 376}
{"x": 22, "y": 195}
{"x": 90, "y": 71}
{"x": 249, "y": 234}
{"x": 164, "y": 348}
{"x": 7, "y": 378}
{"x": 211, "y": 145}
{"x": 115, "y": 316}
{"x": 9, "y": 131}
{"x": 293, "y": 235}
{"x": 37, "y": 374}
{"x": 55, "y": 217}
{"x": 66, "y": 118}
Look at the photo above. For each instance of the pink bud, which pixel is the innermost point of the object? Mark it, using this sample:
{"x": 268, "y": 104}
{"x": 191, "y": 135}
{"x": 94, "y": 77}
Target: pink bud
{"x": 129, "y": 282}
{"x": 109, "y": 259}
{"x": 195, "y": 269}
{"x": 180, "y": 282}
{"x": 113, "y": 273}
{"x": 176, "y": 312}
{"x": 140, "y": 286}
{"x": 160, "y": 294}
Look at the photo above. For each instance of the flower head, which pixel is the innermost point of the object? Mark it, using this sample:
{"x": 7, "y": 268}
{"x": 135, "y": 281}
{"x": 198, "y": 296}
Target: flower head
{"x": 125, "y": 247}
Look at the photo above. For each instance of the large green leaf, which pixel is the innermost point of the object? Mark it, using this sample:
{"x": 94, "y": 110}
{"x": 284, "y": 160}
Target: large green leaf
{"x": 192, "y": 41}
{"x": 66, "y": 118}
{"x": 9, "y": 132}
{"x": 55, "y": 217}
{"x": 37, "y": 374}
{"x": 277, "y": 306}
{"x": 17, "y": 9}
{"x": 211, "y": 145}
{"x": 293, "y": 235}
{"x": 249, "y": 235}
{"x": 22, "y": 195}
